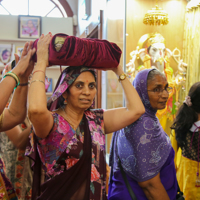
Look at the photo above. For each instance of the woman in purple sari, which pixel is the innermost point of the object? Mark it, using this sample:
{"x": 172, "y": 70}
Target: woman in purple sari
{"x": 143, "y": 147}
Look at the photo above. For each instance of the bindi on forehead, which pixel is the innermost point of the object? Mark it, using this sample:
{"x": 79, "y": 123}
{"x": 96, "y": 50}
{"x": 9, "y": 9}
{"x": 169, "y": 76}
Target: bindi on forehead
{"x": 86, "y": 81}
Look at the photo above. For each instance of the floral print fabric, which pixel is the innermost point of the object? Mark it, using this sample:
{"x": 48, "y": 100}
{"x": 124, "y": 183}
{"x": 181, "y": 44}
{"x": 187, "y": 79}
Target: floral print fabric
{"x": 9, "y": 155}
{"x": 17, "y": 166}
{"x": 7, "y": 191}
{"x": 63, "y": 138}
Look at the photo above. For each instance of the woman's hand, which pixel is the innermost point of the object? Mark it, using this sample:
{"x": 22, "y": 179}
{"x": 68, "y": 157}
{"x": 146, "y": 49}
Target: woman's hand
{"x": 24, "y": 64}
{"x": 43, "y": 49}
{"x": 118, "y": 71}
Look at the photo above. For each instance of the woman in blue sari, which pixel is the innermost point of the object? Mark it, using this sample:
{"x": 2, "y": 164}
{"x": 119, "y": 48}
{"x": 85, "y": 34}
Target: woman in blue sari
{"x": 144, "y": 149}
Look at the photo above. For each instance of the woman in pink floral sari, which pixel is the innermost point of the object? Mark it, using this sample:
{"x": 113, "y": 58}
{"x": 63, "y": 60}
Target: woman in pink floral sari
{"x": 68, "y": 137}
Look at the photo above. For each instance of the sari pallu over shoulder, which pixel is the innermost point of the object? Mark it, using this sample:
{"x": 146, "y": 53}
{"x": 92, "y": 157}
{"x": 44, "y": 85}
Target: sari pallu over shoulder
{"x": 93, "y": 53}
{"x": 66, "y": 184}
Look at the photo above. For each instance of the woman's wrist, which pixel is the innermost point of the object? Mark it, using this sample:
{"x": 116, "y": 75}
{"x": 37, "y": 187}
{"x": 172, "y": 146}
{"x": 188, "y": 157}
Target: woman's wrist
{"x": 17, "y": 71}
{"x": 42, "y": 62}
{"x": 119, "y": 72}
{"x": 41, "y": 65}
{"x": 23, "y": 80}
{"x": 24, "y": 84}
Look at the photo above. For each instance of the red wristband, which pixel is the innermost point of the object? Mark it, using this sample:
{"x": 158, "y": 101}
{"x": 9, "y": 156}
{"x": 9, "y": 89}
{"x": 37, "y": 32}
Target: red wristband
{"x": 38, "y": 71}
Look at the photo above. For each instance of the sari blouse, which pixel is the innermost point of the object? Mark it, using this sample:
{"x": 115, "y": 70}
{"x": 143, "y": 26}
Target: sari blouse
{"x": 63, "y": 138}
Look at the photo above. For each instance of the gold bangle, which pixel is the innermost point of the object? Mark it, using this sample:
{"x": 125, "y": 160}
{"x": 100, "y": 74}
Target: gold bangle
{"x": 13, "y": 75}
{"x": 37, "y": 81}
{"x": 1, "y": 118}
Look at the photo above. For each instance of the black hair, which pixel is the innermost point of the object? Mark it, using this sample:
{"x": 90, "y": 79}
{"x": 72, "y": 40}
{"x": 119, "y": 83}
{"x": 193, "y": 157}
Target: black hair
{"x": 13, "y": 63}
{"x": 187, "y": 115}
{"x": 152, "y": 74}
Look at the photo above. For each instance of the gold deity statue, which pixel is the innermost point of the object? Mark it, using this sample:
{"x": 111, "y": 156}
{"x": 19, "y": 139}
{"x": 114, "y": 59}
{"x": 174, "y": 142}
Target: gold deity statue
{"x": 152, "y": 53}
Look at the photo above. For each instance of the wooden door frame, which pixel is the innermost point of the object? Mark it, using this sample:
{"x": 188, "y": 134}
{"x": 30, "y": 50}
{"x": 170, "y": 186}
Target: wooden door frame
{"x": 88, "y": 33}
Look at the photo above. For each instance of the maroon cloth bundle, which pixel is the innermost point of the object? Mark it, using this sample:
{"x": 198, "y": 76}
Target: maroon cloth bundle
{"x": 94, "y": 53}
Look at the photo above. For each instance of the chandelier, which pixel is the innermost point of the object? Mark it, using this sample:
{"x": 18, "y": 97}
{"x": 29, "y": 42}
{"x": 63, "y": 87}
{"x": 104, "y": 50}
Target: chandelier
{"x": 156, "y": 17}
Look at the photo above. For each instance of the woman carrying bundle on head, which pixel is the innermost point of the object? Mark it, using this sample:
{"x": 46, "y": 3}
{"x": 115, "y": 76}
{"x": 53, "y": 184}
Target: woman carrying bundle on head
{"x": 69, "y": 141}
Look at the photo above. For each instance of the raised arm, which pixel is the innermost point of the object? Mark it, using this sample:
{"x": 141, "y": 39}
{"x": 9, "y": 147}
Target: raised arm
{"x": 118, "y": 118}
{"x": 18, "y": 137}
{"x": 16, "y": 112}
{"x": 38, "y": 113}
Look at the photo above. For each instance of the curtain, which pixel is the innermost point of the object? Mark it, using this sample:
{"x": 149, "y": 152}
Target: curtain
{"x": 191, "y": 43}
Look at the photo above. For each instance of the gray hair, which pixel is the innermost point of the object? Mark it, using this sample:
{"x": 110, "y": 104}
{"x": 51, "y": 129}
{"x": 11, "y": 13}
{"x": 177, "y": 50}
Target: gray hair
{"x": 152, "y": 74}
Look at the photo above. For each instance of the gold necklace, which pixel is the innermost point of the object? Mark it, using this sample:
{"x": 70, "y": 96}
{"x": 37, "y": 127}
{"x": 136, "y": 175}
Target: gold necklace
{"x": 67, "y": 118}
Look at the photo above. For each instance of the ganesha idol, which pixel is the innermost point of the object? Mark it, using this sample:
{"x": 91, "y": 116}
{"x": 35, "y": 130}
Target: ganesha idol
{"x": 152, "y": 52}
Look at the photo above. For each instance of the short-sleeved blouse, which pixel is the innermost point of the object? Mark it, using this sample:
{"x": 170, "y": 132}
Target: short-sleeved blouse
{"x": 63, "y": 138}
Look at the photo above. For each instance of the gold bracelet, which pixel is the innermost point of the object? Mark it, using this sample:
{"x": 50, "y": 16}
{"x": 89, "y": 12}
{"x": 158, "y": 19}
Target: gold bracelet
{"x": 13, "y": 75}
{"x": 37, "y": 81}
{"x": 1, "y": 118}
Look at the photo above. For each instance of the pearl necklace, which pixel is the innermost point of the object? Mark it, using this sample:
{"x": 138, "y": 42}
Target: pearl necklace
{"x": 67, "y": 119}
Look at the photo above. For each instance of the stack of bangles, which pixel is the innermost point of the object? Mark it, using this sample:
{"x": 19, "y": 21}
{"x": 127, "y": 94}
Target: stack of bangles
{"x": 12, "y": 74}
{"x": 37, "y": 79}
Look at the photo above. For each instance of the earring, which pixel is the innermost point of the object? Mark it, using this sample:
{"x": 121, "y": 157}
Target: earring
{"x": 92, "y": 106}
{"x": 65, "y": 101}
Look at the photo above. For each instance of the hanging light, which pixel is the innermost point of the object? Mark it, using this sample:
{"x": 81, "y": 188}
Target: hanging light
{"x": 156, "y": 17}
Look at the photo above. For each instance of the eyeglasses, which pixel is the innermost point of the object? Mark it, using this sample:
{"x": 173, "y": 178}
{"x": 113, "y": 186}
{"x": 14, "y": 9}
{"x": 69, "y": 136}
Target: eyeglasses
{"x": 159, "y": 91}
